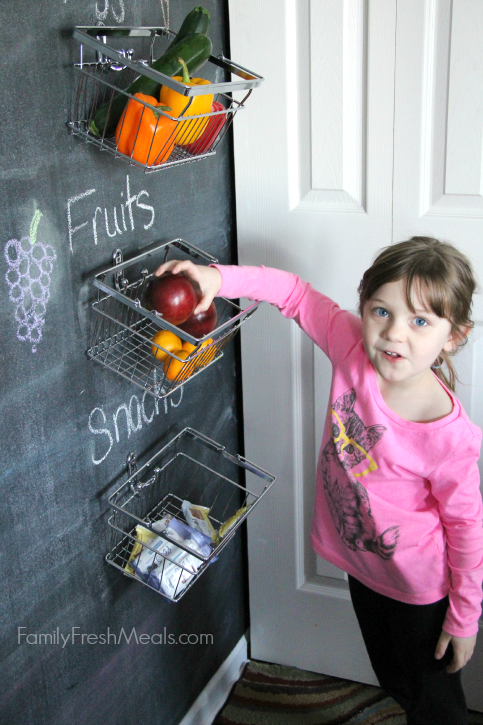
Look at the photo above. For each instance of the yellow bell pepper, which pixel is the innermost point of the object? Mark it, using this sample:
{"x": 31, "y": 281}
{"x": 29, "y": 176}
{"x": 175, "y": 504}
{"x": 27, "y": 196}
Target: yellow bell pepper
{"x": 188, "y": 131}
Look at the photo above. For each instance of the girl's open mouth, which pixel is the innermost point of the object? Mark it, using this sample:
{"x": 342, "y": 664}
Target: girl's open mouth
{"x": 392, "y": 356}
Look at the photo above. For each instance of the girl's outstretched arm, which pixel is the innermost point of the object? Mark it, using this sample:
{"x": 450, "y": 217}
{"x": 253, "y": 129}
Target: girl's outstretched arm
{"x": 208, "y": 278}
{"x": 334, "y": 330}
{"x": 462, "y": 650}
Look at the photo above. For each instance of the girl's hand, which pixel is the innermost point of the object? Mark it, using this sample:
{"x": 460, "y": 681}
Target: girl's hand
{"x": 462, "y": 650}
{"x": 208, "y": 278}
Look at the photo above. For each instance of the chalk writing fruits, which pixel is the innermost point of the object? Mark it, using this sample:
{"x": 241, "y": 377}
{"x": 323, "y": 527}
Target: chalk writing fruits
{"x": 178, "y": 369}
{"x": 202, "y": 323}
{"x": 173, "y": 296}
{"x": 168, "y": 341}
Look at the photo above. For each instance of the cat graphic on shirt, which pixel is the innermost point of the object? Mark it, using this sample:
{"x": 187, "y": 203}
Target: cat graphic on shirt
{"x": 347, "y": 498}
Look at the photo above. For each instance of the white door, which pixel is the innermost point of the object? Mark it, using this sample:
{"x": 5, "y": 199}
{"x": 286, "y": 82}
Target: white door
{"x": 336, "y": 155}
{"x": 438, "y": 165}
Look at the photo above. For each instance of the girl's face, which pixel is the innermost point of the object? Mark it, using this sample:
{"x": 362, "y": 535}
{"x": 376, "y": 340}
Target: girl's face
{"x": 401, "y": 344}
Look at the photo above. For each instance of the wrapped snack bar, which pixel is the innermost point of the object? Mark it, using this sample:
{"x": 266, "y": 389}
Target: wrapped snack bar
{"x": 197, "y": 518}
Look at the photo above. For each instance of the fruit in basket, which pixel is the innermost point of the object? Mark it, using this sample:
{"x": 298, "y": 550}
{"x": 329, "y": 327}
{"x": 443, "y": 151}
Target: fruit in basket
{"x": 168, "y": 341}
{"x": 183, "y": 369}
{"x": 203, "y": 356}
{"x": 173, "y": 296}
{"x": 179, "y": 369}
{"x": 195, "y": 49}
{"x": 206, "y": 356}
{"x": 188, "y": 347}
{"x": 211, "y": 132}
{"x": 202, "y": 323}
{"x": 192, "y": 348}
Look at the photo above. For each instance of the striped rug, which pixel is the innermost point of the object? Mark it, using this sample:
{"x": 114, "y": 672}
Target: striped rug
{"x": 269, "y": 694}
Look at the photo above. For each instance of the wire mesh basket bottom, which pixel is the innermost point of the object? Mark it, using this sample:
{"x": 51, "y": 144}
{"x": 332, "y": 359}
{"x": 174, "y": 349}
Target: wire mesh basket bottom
{"x": 183, "y": 140}
{"x": 202, "y": 473}
{"x": 181, "y": 579}
{"x": 122, "y": 342}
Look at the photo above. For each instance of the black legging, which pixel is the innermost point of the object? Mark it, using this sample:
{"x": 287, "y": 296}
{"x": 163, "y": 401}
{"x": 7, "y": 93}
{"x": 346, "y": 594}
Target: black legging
{"x": 400, "y": 640}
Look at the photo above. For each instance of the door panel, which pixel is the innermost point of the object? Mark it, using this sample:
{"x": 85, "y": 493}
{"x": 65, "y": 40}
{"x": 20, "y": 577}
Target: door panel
{"x": 335, "y": 177}
{"x": 313, "y": 186}
{"x": 451, "y": 113}
{"x": 465, "y": 101}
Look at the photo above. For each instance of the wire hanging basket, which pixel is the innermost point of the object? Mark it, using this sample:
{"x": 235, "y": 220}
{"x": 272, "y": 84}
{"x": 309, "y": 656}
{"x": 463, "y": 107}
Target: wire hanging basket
{"x": 152, "y": 511}
{"x": 123, "y": 328}
{"x": 144, "y": 135}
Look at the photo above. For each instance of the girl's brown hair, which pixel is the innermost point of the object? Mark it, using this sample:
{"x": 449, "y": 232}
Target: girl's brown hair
{"x": 440, "y": 274}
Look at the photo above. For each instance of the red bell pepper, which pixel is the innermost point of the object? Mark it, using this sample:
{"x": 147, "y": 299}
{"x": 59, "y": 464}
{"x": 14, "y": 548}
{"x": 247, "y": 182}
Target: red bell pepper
{"x": 211, "y": 132}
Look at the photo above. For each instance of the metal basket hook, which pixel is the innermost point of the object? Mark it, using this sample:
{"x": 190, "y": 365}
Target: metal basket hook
{"x": 132, "y": 465}
{"x": 120, "y": 282}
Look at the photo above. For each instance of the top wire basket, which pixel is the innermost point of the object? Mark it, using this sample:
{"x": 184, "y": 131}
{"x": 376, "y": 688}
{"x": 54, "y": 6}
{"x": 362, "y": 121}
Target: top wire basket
{"x": 142, "y": 134}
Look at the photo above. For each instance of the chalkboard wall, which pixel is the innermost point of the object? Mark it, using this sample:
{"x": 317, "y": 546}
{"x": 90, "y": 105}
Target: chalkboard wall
{"x": 57, "y": 466}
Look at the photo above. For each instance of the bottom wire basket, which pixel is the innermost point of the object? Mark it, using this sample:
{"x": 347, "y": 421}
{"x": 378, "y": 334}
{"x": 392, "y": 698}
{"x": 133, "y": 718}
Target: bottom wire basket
{"x": 176, "y": 514}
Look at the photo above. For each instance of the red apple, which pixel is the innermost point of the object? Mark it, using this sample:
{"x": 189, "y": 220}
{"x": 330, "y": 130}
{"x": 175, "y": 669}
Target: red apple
{"x": 173, "y": 296}
{"x": 201, "y": 324}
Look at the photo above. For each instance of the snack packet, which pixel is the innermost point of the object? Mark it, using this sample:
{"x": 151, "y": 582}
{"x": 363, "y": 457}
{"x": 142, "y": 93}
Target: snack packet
{"x": 197, "y": 518}
{"x": 230, "y": 523}
{"x": 175, "y": 578}
{"x": 164, "y": 565}
{"x": 195, "y": 540}
{"x": 167, "y": 567}
{"x": 143, "y": 536}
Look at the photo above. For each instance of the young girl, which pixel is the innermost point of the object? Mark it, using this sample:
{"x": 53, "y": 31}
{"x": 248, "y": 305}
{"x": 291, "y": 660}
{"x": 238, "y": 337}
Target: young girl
{"x": 398, "y": 504}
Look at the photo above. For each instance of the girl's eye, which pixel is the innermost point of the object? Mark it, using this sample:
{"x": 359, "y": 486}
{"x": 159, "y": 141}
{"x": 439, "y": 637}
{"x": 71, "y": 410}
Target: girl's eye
{"x": 381, "y": 311}
{"x": 420, "y": 322}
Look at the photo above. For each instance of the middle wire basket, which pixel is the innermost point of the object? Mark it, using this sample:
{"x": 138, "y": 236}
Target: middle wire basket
{"x": 123, "y": 329}
{"x": 190, "y": 486}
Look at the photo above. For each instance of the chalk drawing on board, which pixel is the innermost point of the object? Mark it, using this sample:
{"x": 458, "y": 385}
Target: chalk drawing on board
{"x": 135, "y": 416}
{"x": 102, "y": 14}
{"x": 30, "y": 264}
{"x": 165, "y": 11}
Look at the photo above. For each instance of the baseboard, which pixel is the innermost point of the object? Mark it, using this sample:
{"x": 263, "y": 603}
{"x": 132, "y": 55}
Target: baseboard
{"x": 211, "y": 700}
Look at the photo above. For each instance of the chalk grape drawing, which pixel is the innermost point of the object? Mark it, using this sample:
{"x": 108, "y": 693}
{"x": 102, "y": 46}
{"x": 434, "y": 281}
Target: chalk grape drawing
{"x": 30, "y": 265}
{"x": 102, "y": 14}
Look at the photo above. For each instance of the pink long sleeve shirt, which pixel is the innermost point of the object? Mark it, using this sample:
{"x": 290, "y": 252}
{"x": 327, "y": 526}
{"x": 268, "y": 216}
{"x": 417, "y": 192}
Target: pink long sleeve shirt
{"x": 398, "y": 504}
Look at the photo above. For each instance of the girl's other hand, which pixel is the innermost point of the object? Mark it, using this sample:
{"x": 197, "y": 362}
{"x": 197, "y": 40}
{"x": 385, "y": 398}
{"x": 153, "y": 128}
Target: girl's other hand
{"x": 462, "y": 650}
{"x": 208, "y": 279}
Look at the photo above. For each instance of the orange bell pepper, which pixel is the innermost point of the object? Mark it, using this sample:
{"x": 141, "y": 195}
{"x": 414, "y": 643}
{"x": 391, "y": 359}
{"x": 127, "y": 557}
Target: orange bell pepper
{"x": 188, "y": 131}
{"x": 143, "y": 134}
